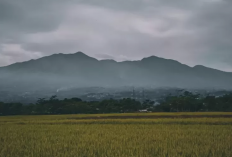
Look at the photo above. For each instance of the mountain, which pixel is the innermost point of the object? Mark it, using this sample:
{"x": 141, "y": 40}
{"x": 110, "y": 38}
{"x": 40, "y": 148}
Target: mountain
{"x": 80, "y": 70}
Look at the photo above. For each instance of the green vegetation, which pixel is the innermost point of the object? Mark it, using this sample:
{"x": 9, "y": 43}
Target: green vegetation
{"x": 146, "y": 136}
{"x": 187, "y": 102}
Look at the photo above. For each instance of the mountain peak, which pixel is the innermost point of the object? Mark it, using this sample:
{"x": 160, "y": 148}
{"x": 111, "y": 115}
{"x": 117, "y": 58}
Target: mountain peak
{"x": 151, "y": 57}
{"x": 80, "y": 54}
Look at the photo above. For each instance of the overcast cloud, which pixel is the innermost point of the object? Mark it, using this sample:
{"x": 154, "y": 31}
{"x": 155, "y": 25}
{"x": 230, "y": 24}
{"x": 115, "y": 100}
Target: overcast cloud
{"x": 190, "y": 31}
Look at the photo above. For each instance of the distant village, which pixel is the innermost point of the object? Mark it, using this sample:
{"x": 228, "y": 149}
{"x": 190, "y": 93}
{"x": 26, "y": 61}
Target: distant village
{"x": 99, "y": 93}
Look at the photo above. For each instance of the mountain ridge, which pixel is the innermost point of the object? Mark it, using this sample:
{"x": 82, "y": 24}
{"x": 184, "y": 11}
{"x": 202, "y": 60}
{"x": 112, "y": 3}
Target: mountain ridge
{"x": 84, "y": 56}
{"x": 79, "y": 69}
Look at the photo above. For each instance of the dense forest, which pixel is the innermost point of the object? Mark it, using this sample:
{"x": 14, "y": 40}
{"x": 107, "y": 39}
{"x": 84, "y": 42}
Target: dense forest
{"x": 187, "y": 102}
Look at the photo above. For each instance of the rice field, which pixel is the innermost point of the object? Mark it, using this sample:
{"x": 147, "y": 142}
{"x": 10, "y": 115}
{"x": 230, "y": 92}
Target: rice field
{"x": 117, "y": 135}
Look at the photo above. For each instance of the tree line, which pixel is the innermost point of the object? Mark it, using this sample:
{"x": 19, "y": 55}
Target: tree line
{"x": 187, "y": 102}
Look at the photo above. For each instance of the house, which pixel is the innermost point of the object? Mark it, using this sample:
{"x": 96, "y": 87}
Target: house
{"x": 144, "y": 111}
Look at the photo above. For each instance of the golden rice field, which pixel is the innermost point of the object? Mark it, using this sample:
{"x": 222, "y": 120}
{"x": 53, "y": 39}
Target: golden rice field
{"x": 117, "y": 135}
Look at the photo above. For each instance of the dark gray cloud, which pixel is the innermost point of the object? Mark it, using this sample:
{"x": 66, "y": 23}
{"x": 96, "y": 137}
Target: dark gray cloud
{"x": 192, "y": 32}
{"x": 29, "y": 16}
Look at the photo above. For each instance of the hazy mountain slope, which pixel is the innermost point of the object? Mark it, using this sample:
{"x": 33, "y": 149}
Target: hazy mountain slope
{"x": 81, "y": 70}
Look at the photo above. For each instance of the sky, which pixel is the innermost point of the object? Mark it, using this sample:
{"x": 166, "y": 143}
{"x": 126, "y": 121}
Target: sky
{"x": 193, "y": 32}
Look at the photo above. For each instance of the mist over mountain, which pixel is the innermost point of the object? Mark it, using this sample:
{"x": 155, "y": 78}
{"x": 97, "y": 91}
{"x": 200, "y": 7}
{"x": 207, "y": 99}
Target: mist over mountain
{"x": 79, "y": 70}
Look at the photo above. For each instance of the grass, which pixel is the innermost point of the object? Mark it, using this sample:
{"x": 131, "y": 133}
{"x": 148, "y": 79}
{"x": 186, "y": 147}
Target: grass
{"x": 66, "y": 135}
